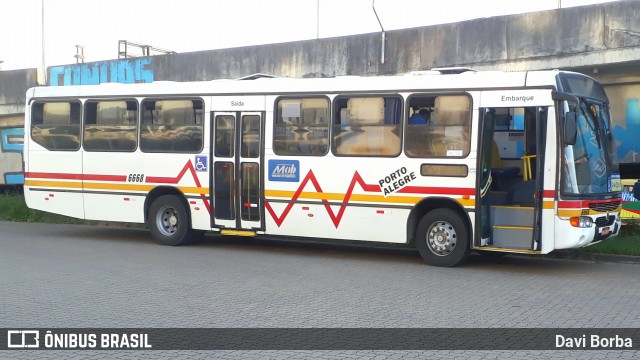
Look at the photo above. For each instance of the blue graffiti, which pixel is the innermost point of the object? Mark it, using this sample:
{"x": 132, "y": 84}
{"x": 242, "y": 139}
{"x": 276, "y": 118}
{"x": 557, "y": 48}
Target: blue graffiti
{"x": 127, "y": 71}
{"x": 13, "y": 142}
{"x": 629, "y": 137}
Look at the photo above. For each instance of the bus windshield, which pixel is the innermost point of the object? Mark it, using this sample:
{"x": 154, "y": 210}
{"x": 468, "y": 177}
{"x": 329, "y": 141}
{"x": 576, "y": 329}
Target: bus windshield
{"x": 587, "y": 168}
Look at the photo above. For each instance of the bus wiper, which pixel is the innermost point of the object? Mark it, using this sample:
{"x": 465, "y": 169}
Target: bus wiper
{"x": 593, "y": 119}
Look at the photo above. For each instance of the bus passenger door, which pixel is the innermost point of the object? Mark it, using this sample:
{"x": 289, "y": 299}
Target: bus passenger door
{"x": 509, "y": 182}
{"x": 236, "y": 170}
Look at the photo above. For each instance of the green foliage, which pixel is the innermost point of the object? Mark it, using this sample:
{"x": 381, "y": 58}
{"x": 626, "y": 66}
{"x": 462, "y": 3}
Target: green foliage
{"x": 626, "y": 243}
{"x": 13, "y": 208}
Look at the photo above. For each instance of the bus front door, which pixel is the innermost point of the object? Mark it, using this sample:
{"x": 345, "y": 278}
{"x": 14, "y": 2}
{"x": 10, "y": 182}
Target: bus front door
{"x": 509, "y": 179}
{"x": 236, "y": 168}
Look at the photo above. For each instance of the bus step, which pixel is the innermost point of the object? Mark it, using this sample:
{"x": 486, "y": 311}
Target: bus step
{"x": 512, "y": 216}
{"x": 230, "y": 232}
{"x": 512, "y": 237}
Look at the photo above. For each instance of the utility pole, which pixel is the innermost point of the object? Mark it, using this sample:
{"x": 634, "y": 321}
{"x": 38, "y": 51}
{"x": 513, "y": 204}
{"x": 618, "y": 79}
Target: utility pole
{"x": 44, "y": 68}
{"x": 318, "y": 20}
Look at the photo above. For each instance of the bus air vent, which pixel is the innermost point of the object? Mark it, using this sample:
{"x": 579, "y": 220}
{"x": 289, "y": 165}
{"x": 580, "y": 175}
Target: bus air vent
{"x": 604, "y": 206}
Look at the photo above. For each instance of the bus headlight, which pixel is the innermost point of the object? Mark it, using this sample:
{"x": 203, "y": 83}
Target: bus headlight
{"x": 581, "y": 221}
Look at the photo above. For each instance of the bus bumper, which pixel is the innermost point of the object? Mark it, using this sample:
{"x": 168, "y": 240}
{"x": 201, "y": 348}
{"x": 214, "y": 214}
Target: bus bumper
{"x": 570, "y": 237}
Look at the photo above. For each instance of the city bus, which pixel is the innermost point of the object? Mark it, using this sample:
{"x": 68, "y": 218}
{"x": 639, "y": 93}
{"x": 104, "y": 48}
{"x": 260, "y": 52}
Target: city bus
{"x": 499, "y": 162}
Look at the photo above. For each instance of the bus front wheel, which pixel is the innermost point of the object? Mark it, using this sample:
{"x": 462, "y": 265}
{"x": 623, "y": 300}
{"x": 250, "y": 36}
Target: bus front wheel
{"x": 442, "y": 238}
{"x": 168, "y": 221}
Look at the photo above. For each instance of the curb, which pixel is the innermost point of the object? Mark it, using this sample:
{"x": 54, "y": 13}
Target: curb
{"x": 595, "y": 257}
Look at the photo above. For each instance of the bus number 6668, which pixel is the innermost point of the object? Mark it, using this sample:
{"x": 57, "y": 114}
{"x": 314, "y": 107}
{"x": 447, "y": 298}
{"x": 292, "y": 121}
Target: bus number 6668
{"x": 135, "y": 178}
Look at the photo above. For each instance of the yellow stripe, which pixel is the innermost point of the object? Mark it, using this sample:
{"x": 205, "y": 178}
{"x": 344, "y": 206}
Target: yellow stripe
{"x": 513, "y": 207}
{"x": 512, "y": 227}
{"x": 507, "y": 250}
{"x": 237, "y": 232}
{"x": 356, "y": 197}
{"x": 109, "y": 186}
{"x": 548, "y": 204}
{"x": 60, "y": 184}
{"x": 545, "y": 205}
{"x": 569, "y": 213}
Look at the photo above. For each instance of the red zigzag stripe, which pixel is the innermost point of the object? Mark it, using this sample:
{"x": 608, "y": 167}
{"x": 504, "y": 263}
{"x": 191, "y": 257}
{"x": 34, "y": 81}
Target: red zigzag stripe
{"x": 335, "y": 218}
{"x": 176, "y": 180}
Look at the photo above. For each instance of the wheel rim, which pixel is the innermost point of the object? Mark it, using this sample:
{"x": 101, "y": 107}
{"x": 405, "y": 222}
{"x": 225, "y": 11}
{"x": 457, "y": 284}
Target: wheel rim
{"x": 167, "y": 220}
{"x": 441, "y": 238}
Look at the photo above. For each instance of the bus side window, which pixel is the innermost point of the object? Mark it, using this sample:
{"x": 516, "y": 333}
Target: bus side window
{"x": 367, "y": 126}
{"x": 56, "y": 125}
{"x": 301, "y": 127}
{"x": 172, "y": 126}
{"x": 110, "y": 125}
{"x": 447, "y": 131}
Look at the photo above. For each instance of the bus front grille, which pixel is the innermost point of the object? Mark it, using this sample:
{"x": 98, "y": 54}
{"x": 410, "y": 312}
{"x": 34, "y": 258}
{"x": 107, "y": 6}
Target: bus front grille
{"x": 604, "y": 206}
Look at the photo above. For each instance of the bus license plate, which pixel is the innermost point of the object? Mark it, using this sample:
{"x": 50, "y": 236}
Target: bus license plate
{"x": 605, "y": 231}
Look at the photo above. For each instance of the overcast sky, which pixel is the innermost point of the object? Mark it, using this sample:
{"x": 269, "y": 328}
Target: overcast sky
{"x": 193, "y": 25}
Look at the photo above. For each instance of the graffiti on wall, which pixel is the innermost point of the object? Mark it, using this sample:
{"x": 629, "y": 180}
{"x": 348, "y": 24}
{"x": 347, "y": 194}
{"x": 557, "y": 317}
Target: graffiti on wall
{"x": 11, "y": 146}
{"x": 627, "y": 150}
{"x": 628, "y": 136}
{"x": 127, "y": 71}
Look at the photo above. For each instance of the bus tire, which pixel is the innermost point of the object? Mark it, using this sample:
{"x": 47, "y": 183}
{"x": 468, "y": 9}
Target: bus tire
{"x": 168, "y": 221}
{"x": 442, "y": 238}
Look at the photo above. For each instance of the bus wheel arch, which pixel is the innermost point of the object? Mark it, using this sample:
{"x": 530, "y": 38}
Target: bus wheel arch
{"x": 156, "y": 193}
{"x": 168, "y": 217}
{"x": 442, "y": 217}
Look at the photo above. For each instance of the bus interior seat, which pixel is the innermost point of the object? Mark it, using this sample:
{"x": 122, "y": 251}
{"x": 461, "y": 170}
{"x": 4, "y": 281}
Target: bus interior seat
{"x": 522, "y": 193}
{"x": 502, "y": 175}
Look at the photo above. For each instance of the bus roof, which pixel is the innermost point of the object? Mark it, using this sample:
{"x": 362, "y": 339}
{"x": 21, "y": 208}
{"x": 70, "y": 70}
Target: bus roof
{"x": 468, "y": 80}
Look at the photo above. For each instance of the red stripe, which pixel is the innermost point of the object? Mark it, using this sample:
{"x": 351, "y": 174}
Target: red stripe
{"x": 437, "y": 190}
{"x": 161, "y": 180}
{"x": 41, "y": 175}
{"x": 63, "y": 176}
{"x": 583, "y": 203}
{"x": 549, "y": 194}
{"x": 94, "y": 177}
{"x": 572, "y": 204}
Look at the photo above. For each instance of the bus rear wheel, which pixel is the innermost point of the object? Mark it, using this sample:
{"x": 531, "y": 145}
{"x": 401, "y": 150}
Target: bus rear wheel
{"x": 442, "y": 238}
{"x": 168, "y": 221}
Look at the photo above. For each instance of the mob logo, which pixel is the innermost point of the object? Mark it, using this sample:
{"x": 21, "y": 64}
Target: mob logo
{"x": 284, "y": 170}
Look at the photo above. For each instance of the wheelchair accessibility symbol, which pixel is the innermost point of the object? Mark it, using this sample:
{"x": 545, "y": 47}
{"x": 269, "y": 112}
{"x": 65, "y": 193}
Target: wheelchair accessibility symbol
{"x": 201, "y": 163}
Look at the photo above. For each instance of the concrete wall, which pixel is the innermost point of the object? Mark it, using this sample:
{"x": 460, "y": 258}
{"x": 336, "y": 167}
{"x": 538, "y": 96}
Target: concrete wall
{"x": 13, "y": 88}
{"x": 579, "y": 37}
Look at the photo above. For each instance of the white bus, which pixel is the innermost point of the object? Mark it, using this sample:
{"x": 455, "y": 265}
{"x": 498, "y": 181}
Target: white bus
{"x": 448, "y": 161}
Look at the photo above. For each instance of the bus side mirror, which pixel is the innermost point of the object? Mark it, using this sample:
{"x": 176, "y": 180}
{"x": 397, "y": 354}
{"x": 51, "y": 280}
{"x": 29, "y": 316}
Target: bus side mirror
{"x": 636, "y": 190}
{"x": 570, "y": 128}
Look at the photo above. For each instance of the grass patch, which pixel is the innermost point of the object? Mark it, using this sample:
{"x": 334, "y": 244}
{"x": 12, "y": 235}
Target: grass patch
{"x": 13, "y": 208}
{"x": 626, "y": 243}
